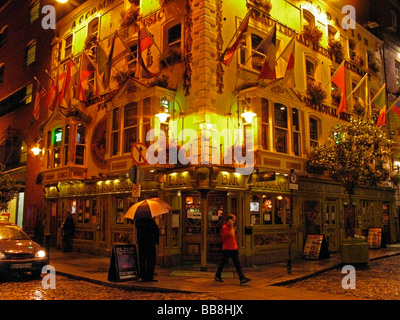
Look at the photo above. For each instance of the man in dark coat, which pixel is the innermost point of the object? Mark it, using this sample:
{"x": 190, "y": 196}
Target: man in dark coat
{"x": 69, "y": 232}
{"x": 147, "y": 239}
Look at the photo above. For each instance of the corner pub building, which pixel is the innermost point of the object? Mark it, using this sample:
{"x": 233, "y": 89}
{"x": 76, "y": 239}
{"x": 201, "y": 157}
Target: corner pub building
{"x": 87, "y": 144}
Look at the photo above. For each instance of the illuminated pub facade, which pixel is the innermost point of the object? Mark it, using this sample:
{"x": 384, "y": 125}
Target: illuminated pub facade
{"x": 87, "y": 153}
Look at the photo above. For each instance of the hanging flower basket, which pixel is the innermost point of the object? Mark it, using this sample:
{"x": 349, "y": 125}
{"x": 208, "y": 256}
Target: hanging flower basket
{"x": 171, "y": 57}
{"x": 317, "y": 94}
{"x": 312, "y": 34}
{"x": 336, "y": 96}
{"x": 358, "y": 61}
{"x": 263, "y": 5}
{"x": 130, "y": 16}
{"x": 336, "y": 48}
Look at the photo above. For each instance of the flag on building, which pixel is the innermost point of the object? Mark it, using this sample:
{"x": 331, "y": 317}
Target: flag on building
{"x": 382, "y": 117}
{"x": 120, "y": 49}
{"x": 360, "y": 91}
{"x": 288, "y": 56}
{"x": 86, "y": 70}
{"x": 339, "y": 79}
{"x": 107, "y": 70}
{"x": 40, "y": 94}
{"x": 380, "y": 98}
{"x": 227, "y": 55}
{"x": 67, "y": 84}
{"x": 53, "y": 94}
{"x": 395, "y": 107}
{"x": 145, "y": 41}
{"x": 101, "y": 58}
{"x": 268, "y": 70}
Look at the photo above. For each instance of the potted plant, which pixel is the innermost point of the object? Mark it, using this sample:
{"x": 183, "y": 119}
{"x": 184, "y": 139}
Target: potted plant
{"x": 358, "y": 61}
{"x": 314, "y": 89}
{"x": 312, "y": 34}
{"x": 336, "y": 96}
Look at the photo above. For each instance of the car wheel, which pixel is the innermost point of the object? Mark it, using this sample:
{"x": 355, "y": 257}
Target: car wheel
{"x": 36, "y": 274}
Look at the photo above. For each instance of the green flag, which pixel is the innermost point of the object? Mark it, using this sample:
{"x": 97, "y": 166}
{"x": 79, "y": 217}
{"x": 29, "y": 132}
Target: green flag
{"x": 380, "y": 98}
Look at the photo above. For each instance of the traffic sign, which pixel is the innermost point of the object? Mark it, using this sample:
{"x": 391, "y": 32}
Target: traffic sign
{"x": 138, "y": 153}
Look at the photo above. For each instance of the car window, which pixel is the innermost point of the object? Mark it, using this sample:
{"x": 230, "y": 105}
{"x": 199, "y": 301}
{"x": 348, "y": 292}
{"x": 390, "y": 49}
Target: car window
{"x": 12, "y": 233}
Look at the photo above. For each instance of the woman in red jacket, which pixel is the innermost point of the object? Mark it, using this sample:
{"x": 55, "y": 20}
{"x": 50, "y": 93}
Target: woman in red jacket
{"x": 230, "y": 250}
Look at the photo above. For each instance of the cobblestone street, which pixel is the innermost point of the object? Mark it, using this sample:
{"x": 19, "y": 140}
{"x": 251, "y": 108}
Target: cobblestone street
{"x": 23, "y": 287}
{"x": 379, "y": 280}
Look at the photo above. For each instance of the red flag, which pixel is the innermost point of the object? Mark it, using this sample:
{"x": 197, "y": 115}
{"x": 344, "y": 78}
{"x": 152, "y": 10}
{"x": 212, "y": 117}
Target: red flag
{"x": 382, "y": 117}
{"x": 145, "y": 42}
{"x": 288, "y": 56}
{"x": 339, "y": 79}
{"x": 87, "y": 68}
{"x": 268, "y": 70}
{"x": 52, "y": 96}
{"x": 396, "y": 107}
{"x": 40, "y": 94}
{"x": 227, "y": 56}
{"x": 67, "y": 82}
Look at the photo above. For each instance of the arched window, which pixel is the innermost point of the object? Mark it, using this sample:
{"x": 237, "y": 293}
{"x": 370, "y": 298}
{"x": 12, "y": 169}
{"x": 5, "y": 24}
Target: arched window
{"x": 308, "y": 18}
{"x": 311, "y": 66}
{"x": 30, "y": 53}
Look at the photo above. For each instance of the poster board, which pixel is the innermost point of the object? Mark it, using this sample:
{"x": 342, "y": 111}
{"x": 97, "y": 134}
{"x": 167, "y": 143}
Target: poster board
{"x": 374, "y": 238}
{"x": 123, "y": 263}
{"x": 315, "y": 247}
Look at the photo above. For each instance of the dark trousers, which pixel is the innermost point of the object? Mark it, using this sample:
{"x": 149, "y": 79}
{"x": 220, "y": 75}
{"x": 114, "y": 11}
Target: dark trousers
{"x": 226, "y": 254}
{"x": 147, "y": 261}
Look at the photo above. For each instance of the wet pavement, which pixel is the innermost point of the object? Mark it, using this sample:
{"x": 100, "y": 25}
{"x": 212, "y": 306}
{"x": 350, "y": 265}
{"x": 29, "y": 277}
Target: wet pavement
{"x": 266, "y": 284}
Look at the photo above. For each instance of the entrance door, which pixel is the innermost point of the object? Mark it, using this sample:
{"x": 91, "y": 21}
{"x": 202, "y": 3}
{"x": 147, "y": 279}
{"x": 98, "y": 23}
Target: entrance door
{"x": 386, "y": 222}
{"x": 192, "y": 236}
{"x": 331, "y": 222}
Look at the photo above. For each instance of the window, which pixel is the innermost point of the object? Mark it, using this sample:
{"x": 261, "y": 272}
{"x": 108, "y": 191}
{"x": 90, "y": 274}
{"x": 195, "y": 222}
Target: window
{"x": 1, "y": 72}
{"x": 115, "y": 132}
{"x": 34, "y": 11}
{"x": 80, "y": 145}
{"x": 146, "y": 120}
{"x": 30, "y": 53}
{"x": 3, "y": 36}
{"x": 308, "y": 18}
{"x": 296, "y": 132}
{"x": 265, "y": 123}
{"x": 13, "y": 152}
{"x": 314, "y": 134}
{"x": 28, "y": 97}
{"x": 132, "y": 57}
{"x": 397, "y": 71}
{"x": 310, "y": 70}
{"x": 175, "y": 36}
{"x": 352, "y": 49}
{"x": 130, "y": 126}
{"x": 68, "y": 46}
{"x": 66, "y": 143}
{"x": 281, "y": 128}
{"x": 57, "y": 140}
{"x": 273, "y": 209}
{"x": 257, "y": 57}
{"x": 332, "y": 32}
{"x": 93, "y": 28}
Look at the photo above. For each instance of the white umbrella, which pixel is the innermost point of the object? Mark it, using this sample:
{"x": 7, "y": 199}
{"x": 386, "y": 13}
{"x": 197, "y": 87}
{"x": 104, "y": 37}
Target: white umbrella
{"x": 148, "y": 208}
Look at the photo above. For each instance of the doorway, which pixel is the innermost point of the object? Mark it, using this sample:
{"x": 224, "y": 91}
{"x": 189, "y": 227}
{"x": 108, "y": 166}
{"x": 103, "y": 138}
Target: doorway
{"x": 331, "y": 230}
{"x": 192, "y": 225}
{"x": 386, "y": 222}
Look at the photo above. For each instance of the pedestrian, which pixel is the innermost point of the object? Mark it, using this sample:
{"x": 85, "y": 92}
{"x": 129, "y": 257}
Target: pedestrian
{"x": 147, "y": 239}
{"x": 230, "y": 250}
{"x": 68, "y": 228}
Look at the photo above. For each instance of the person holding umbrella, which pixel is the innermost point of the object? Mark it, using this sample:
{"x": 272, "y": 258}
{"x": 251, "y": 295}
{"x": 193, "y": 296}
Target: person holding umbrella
{"x": 147, "y": 232}
{"x": 147, "y": 239}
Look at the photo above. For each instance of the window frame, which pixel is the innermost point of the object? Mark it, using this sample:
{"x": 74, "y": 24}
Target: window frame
{"x": 34, "y": 11}
{"x": 314, "y": 142}
{"x": 30, "y": 53}
{"x": 281, "y": 129}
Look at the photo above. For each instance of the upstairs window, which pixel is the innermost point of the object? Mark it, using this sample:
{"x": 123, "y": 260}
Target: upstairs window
{"x": 397, "y": 71}
{"x": 296, "y": 131}
{"x": 34, "y": 11}
{"x": 175, "y": 36}
{"x": 30, "y": 53}
{"x": 130, "y": 126}
{"x": 308, "y": 18}
{"x": 310, "y": 70}
{"x": 257, "y": 57}
{"x": 68, "y": 46}
{"x": 265, "y": 123}
{"x": 314, "y": 132}
{"x": 281, "y": 127}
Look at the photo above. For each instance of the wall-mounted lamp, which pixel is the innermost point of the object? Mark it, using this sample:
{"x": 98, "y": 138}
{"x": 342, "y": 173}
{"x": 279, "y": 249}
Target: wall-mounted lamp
{"x": 248, "y": 116}
{"x": 164, "y": 114}
{"x": 36, "y": 148}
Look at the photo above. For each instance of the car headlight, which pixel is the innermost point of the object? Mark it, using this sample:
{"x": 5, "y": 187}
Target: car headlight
{"x": 40, "y": 254}
{"x": 2, "y": 255}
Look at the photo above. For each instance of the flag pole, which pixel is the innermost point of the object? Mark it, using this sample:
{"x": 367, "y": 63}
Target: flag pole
{"x": 334, "y": 74}
{"x": 358, "y": 85}
{"x": 256, "y": 49}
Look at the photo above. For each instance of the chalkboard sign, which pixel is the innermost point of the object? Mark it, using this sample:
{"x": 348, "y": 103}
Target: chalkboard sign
{"x": 123, "y": 264}
{"x": 374, "y": 238}
{"x": 316, "y": 247}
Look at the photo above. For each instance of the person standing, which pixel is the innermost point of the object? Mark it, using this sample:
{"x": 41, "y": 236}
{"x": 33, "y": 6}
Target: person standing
{"x": 147, "y": 239}
{"x": 230, "y": 250}
{"x": 69, "y": 232}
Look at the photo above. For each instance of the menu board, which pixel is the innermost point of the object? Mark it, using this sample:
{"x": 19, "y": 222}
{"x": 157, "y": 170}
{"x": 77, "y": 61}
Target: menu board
{"x": 316, "y": 247}
{"x": 123, "y": 264}
{"x": 374, "y": 238}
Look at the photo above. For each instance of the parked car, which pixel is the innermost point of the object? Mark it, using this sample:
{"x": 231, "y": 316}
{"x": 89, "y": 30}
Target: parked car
{"x": 18, "y": 252}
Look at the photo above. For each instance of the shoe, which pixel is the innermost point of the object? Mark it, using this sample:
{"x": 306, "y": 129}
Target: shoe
{"x": 218, "y": 279}
{"x": 244, "y": 280}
